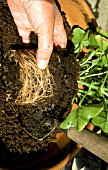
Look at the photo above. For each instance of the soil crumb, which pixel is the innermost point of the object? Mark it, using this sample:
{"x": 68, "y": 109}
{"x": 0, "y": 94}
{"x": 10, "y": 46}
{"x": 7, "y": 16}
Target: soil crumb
{"x": 27, "y": 124}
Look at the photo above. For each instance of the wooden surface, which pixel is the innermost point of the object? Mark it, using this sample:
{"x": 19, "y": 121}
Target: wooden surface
{"x": 91, "y": 141}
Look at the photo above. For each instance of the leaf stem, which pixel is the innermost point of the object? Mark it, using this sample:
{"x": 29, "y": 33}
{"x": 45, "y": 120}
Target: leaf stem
{"x": 84, "y": 96}
{"x": 92, "y": 86}
{"x": 89, "y": 57}
{"x": 105, "y": 78}
{"x": 106, "y": 94}
{"x": 100, "y": 31}
{"x": 87, "y": 84}
{"x": 92, "y": 75}
{"x": 95, "y": 63}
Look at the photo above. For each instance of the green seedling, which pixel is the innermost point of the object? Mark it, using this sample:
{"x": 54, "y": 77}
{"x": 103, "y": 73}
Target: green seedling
{"x": 93, "y": 99}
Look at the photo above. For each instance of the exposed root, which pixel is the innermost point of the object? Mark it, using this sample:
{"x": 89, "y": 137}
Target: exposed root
{"x": 37, "y": 84}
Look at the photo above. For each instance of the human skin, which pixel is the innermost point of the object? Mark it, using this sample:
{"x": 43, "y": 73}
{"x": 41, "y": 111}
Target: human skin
{"x": 43, "y": 18}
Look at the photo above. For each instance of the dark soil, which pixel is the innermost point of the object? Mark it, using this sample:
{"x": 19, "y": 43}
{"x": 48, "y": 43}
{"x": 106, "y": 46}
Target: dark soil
{"x": 23, "y": 126}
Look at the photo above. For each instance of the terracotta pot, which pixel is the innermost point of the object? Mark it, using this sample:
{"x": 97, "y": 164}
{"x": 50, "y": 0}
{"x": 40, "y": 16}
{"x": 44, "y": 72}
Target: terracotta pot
{"x": 77, "y": 12}
{"x": 58, "y": 154}
{"x": 63, "y": 149}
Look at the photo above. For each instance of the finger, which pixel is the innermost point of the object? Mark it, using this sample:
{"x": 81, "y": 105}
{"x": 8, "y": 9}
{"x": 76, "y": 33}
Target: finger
{"x": 45, "y": 47}
{"x": 20, "y": 18}
{"x": 25, "y": 35}
{"x": 42, "y": 19}
{"x": 23, "y": 25}
{"x": 60, "y": 37}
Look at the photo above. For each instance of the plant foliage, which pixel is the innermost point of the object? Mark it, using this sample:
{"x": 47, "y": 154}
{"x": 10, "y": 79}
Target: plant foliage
{"x": 93, "y": 99}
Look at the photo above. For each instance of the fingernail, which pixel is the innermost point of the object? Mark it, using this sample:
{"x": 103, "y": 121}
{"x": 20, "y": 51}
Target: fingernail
{"x": 26, "y": 41}
{"x": 42, "y": 64}
{"x": 60, "y": 46}
{"x": 63, "y": 46}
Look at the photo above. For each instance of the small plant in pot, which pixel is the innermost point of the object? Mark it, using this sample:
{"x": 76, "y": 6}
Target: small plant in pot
{"x": 30, "y": 120}
{"x": 92, "y": 97}
{"x": 34, "y": 102}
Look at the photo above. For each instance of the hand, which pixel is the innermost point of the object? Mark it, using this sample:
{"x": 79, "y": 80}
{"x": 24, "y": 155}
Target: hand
{"x": 44, "y": 18}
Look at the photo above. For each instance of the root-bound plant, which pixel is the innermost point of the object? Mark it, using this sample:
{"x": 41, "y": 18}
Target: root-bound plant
{"x": 92, "y": 99}
{"x": 36, "y": 83}
{"x": 33, "y": 102}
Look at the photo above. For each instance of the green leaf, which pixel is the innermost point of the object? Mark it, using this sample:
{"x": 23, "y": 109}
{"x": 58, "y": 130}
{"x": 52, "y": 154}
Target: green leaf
{"x": 70, "y": 121}
{"x": 78, "y": 35}
{"x": 101, "y": 121}
{"x": 80, "y": 39}
{"x": 92, "y": 40}
{"x": 85, "y": 40}
{"x": 103, "y": 61}
{"x": 78, "y": 48}
{"x": 86, "y": 113}
{"x": 101, "y": 42}
{"x": 81, "y": 116}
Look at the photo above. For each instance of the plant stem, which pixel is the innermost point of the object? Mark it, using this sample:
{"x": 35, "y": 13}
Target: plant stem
{"x": 105, "y": 78}
{"x": 92, "y": 86}
{"x": 106, "y": 94}
{"x": 89, "y": 57}
{"x": 98, "y": 30}
{"x": 84, "y": 96}
{"x": 96, "y": 63}
{"x": 87, "y": 84}
{"x": 92, "y": 75}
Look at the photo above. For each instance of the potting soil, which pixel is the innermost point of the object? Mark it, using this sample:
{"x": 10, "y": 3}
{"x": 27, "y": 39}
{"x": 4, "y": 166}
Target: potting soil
{"x": 28, "y": 127}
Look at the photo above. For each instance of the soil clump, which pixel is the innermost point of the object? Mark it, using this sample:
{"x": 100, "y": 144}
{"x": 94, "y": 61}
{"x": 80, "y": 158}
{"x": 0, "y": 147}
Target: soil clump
{"x": 26, "y": 127}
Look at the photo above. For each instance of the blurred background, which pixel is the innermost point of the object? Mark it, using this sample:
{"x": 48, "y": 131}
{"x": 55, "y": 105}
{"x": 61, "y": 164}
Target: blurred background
{"x": 100, "y": 10}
